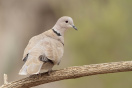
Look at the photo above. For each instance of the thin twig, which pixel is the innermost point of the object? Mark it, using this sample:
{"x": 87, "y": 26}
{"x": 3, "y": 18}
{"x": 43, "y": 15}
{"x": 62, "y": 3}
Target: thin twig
{"x": 70, "y": 73}
{"x": 5, "y": 79}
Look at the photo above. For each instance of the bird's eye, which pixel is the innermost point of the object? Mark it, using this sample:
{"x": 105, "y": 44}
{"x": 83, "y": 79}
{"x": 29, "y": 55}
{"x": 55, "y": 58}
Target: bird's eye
{"x": 66, "y": 21}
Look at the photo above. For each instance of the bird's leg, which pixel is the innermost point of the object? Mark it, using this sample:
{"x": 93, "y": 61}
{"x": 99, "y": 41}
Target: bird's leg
{"x": 39, "y": 75}
{"x": 34, "y": 75}
{"x": 58, "y": 63}
{"x": 49, "y": 71}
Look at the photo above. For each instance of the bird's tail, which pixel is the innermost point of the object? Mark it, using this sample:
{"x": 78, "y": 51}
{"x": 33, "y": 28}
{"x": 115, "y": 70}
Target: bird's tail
{"x": 23, "y": 71}
{"x": 31, "y": 66}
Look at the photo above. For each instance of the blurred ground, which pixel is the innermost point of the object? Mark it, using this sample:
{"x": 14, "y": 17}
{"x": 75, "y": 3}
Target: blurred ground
{"x": 104, "y": 35}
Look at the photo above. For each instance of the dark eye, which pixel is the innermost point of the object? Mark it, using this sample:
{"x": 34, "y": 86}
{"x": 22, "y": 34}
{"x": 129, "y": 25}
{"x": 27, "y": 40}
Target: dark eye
{"x": 66, "y": 21}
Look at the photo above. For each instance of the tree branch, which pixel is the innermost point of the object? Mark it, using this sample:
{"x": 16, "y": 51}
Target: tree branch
{"x": 5, "y": 79}
{"x": 70, "y": 73}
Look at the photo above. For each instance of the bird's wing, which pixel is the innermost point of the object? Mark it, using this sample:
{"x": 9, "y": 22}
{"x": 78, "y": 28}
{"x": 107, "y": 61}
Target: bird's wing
{"x": 53, "y": 49}
{"x": 42, "y": 44}
{"x": 50, "y": 48}
{"x": 32, "y": 42}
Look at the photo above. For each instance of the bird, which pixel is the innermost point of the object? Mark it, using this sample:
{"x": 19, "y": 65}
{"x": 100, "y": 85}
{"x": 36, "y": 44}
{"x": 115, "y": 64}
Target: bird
{"x": 46, "y": 49}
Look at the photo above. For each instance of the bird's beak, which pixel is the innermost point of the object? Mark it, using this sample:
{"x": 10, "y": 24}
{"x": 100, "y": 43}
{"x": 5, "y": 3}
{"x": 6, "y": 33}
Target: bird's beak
{"x": 74, "y": 27}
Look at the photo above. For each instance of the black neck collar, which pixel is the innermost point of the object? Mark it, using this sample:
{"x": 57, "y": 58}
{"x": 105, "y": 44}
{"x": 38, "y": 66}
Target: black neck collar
{"x": 56, "y": 32}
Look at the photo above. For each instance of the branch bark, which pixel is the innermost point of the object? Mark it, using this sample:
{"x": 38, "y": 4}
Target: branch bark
{"x": 71, "y": 73}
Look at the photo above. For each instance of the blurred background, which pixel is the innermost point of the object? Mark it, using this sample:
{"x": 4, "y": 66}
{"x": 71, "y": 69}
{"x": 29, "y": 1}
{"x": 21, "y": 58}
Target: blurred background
{"x": 104, "y": 35}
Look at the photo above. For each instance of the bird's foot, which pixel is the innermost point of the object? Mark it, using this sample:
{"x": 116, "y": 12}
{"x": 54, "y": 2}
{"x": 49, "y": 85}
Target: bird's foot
{"x": 36, "y": 75}
{"x": 49, "y": 71}
{"x": 33, "y": 76}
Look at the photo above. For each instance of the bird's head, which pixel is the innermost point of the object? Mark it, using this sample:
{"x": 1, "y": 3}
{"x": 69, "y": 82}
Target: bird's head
{"x": 64, "y": 23}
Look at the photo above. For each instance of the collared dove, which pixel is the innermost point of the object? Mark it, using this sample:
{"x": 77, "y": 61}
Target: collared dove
{"x": 46, "y": 50}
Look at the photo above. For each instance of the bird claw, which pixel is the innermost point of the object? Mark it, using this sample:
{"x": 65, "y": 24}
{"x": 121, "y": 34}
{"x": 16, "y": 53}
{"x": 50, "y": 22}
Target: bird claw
{"x": 36, "y": 75}
{"x": 32, "y": 76}
{"x": 49, "y": 72}
{"x": 58, "y": 63}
